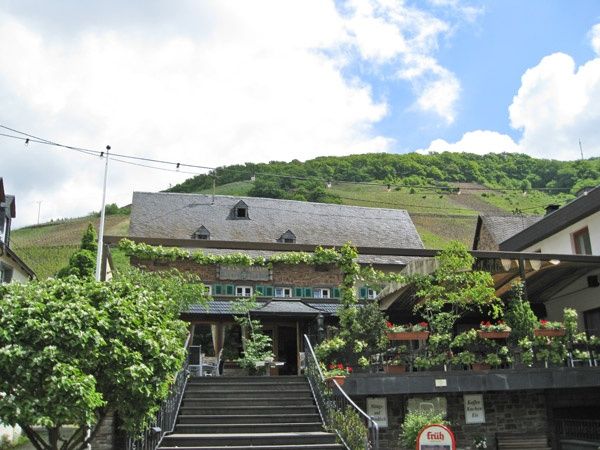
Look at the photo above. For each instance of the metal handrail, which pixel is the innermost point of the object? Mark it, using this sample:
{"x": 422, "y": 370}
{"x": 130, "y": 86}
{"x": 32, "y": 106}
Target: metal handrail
{"x": 336, "y": 400}
{"x": 166, "y": 418}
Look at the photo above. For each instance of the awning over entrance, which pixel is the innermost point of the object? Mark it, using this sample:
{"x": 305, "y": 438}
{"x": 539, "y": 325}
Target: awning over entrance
{"x": 294, "y": 308}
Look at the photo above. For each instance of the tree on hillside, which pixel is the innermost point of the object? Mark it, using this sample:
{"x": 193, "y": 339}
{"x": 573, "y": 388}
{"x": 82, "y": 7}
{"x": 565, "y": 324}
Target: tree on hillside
{"x": 82, "y": 263}
{"x": 73, "y": 349}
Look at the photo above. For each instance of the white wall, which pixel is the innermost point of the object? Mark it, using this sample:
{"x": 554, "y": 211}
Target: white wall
{"x": 561, "y": 242}
{"x": 577, "y": 296}
{"x": 19, "y": 275}
{"x": 11, "y": 433}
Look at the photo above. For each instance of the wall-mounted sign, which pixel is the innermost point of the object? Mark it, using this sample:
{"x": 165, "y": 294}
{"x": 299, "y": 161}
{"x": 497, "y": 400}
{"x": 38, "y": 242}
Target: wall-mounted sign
{"x": 377, "y": 409}
{"x": 435, "y": 404}
{"x": 254, "y": 273}
{"x": 474, "y": 410}
{"x": 436, "y": 437}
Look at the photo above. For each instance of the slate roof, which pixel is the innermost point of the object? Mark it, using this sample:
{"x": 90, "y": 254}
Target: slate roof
{"x": 178, "y": 216}
{"x": 275, "y": 307}
{"x": 574, "y": 211}
{"x": 502, "y": 226}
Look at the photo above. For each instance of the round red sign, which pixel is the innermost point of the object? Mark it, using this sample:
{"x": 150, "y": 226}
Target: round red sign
{"x": 436, "y": 437}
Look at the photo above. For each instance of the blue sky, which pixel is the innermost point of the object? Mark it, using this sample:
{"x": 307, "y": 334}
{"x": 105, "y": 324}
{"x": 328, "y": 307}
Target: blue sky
{"x": 216, "y": 82}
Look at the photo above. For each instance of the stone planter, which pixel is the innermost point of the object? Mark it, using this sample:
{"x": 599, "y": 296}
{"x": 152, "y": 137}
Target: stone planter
{"x": 394, "y": 369}
{"x": 339, "y": 378}
{"x": 408, "y": 336}
{"x": 493, "y": 334}
{"x": 549, "y": 333}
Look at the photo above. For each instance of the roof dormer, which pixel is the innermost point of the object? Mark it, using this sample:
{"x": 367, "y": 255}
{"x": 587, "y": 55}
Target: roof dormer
{"x": 201, "y": 233}
{"x": 287, "y": 238}
{"x": 240, "y": 211}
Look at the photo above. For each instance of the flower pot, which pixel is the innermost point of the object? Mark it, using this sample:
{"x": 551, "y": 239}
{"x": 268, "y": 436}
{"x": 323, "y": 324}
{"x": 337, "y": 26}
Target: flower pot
{"x": 493, "y": 334}
{"x": 549, "y": 333}
{"x": 339, "y": 378}
{"x": 480, "y": 367}
{"x": 408, "y": 336}
{"x": 394, "y": 369}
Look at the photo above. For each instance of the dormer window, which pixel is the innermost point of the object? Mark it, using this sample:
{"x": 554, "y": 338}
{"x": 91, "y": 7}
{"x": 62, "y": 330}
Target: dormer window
{"x": 240, "y": 210}
{"x": 287, "y": 238}
{"x": 201, "y": 233}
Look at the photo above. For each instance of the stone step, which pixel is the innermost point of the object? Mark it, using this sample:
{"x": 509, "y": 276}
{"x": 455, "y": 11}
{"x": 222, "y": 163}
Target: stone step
{"x": 219, "y": 402}
{"x": 278, "y": 440}
{"x": 247, "y": 380}
{"x": 264, "y": 447}
{"x": 207, "y": 409}
{"x": 225, "y": 394}
{"x": 270, "y": 387}
{"x": 248, "y": 418}
{"x": 244, "y": 427}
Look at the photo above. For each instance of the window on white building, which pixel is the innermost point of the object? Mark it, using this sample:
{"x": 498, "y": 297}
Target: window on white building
{"x": 243, "y": 291}
{"x": 371, "y": 293}
{"x": 581, "y": 242}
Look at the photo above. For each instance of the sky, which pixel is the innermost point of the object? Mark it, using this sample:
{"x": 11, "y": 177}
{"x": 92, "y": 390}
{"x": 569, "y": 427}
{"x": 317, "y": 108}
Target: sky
{"x": 219, "y": 82}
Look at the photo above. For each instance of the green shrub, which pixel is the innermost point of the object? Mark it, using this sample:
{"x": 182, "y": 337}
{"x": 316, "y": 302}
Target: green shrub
{"x": 414, "y": 422}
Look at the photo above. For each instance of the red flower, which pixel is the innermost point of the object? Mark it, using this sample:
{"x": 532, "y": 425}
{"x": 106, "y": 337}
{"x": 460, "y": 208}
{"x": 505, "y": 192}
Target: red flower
{"x": 349, "y": 369}
{"x": 389, "y": 324}
{"x": 331, "y": 366}
{"x": 543, "y": 322}
{"x": 340, "y": 366}
{"x": 423, "y": 324}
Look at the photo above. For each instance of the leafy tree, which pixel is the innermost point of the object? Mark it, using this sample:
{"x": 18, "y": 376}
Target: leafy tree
{"x": 72, "y": 349}
{"x": 82, "y": 263}
{"x": 519, "y": 316}
{"x": 257, "y": 345}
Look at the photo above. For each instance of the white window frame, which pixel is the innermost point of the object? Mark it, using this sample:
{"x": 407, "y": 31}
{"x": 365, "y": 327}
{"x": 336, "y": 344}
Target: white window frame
{"x": 208, "y": 289}
{"x": 319, "y": 293}
{"x": 283, "y": 292}
{"x": 243, "y": 291}
{"x": 371, "y": 293}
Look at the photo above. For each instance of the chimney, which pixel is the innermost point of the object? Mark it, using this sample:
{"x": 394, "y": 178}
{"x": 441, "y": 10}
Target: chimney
{"x": 551, "y": 208}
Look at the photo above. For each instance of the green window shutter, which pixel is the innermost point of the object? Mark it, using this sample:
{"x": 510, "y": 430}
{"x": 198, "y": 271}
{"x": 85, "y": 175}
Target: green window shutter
{"x": 230, "y": 289}
{"x": 298, "y": 292}
{"x": 363, "y": 292}
{"x": 260, "y": 291}
{"x": 218, "y": 288}
{"x": 269, "y": 291}
{"x": 336, "y": 292}
{"x": 308, "y": 292}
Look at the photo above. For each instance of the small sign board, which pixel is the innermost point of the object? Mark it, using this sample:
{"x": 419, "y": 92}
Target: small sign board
{"x": 436, "y": 437}
{"x": 474, "y": 410}
{"x": 377, "y": 409}
{"x": 253, "y": 273}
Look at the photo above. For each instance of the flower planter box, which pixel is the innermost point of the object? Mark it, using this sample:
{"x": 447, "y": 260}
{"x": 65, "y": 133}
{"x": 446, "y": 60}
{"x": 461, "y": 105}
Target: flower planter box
{"x": 549, "y": 333}
{"x": 493, "y": 334}
{"x": 408, "y": 336}
{"x": 394, "y": 369}
{"x": 339, "y": 378}
{"x": 480, "y": 367}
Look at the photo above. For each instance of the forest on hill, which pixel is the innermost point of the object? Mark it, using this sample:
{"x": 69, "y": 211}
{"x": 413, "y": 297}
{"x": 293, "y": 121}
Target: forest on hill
{"x": 307, "y": 180}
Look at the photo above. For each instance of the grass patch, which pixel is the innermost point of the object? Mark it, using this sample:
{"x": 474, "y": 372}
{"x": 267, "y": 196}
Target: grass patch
{"x": 533, "y": 203}
{"x": 46, "y": 261}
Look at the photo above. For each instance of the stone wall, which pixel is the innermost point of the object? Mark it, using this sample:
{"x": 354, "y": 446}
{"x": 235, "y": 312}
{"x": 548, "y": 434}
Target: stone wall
{"x": 105, "y": 438}
{"x": 302, "y": 275}
{"x": 505, "y": 412}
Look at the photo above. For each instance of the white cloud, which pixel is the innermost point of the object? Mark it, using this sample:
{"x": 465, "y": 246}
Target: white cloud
{"x": 557, "y": 104}
{"x": 240, "y": 81}
{"x": 595, "y": 38}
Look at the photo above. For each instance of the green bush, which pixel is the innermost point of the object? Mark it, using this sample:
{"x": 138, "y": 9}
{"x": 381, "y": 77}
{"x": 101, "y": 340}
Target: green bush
{"x": 519, "y": 317}
{"x": 414, "y": 422}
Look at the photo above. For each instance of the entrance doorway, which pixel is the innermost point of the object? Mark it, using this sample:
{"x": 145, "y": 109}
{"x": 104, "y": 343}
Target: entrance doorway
{"x": 287, "y": 350}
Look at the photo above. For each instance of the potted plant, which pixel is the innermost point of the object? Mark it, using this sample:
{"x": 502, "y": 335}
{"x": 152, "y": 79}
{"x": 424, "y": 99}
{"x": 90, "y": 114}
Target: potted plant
{"x": 498, "y": 330}
{"x": 464, "y": 358}
{"x": 337, "y": 372}
{"x": 408, "y": 332}
{"x": 549, "y": 329}
{"x": 397, "y": 360}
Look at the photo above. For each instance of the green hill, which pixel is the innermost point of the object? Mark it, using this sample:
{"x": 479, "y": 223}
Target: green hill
{"x": 443, "y": 193}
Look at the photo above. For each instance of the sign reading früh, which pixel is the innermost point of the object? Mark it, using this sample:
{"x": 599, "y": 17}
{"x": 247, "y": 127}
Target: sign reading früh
{"x": 436, "y": 437}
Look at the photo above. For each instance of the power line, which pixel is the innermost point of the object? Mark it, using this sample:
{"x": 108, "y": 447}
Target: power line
{"x": 27, "y": 137}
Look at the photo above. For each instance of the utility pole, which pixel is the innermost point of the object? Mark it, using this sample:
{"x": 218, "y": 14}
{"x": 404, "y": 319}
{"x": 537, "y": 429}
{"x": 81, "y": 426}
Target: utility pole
{"x": 102, "y": 214}
{"x": 39, "y": 202}
{"x": 581, "y": 149}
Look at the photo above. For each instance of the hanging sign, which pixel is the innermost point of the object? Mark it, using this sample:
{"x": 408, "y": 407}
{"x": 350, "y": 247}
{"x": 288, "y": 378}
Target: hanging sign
{"x": 474, "y": 410}
{"x": 377, "y": 409}
{"x": 436, "y": 437}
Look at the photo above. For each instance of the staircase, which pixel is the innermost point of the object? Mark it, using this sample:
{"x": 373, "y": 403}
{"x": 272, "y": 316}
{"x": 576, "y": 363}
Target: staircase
{"x": 254, "y": 413}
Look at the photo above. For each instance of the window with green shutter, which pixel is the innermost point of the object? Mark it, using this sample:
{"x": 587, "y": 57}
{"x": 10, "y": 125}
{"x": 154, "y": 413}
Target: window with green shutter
{"x": 230, "y": 289}
{"x": 308, "y": 292}
{"x": 218, "y": 289}
{"x": 269, "y": 291}
{"x": 260, "y": 290}
{"x": 363, "y": 292}
{"x": 298, "y": 292}
{"x": 336, "y": 292}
